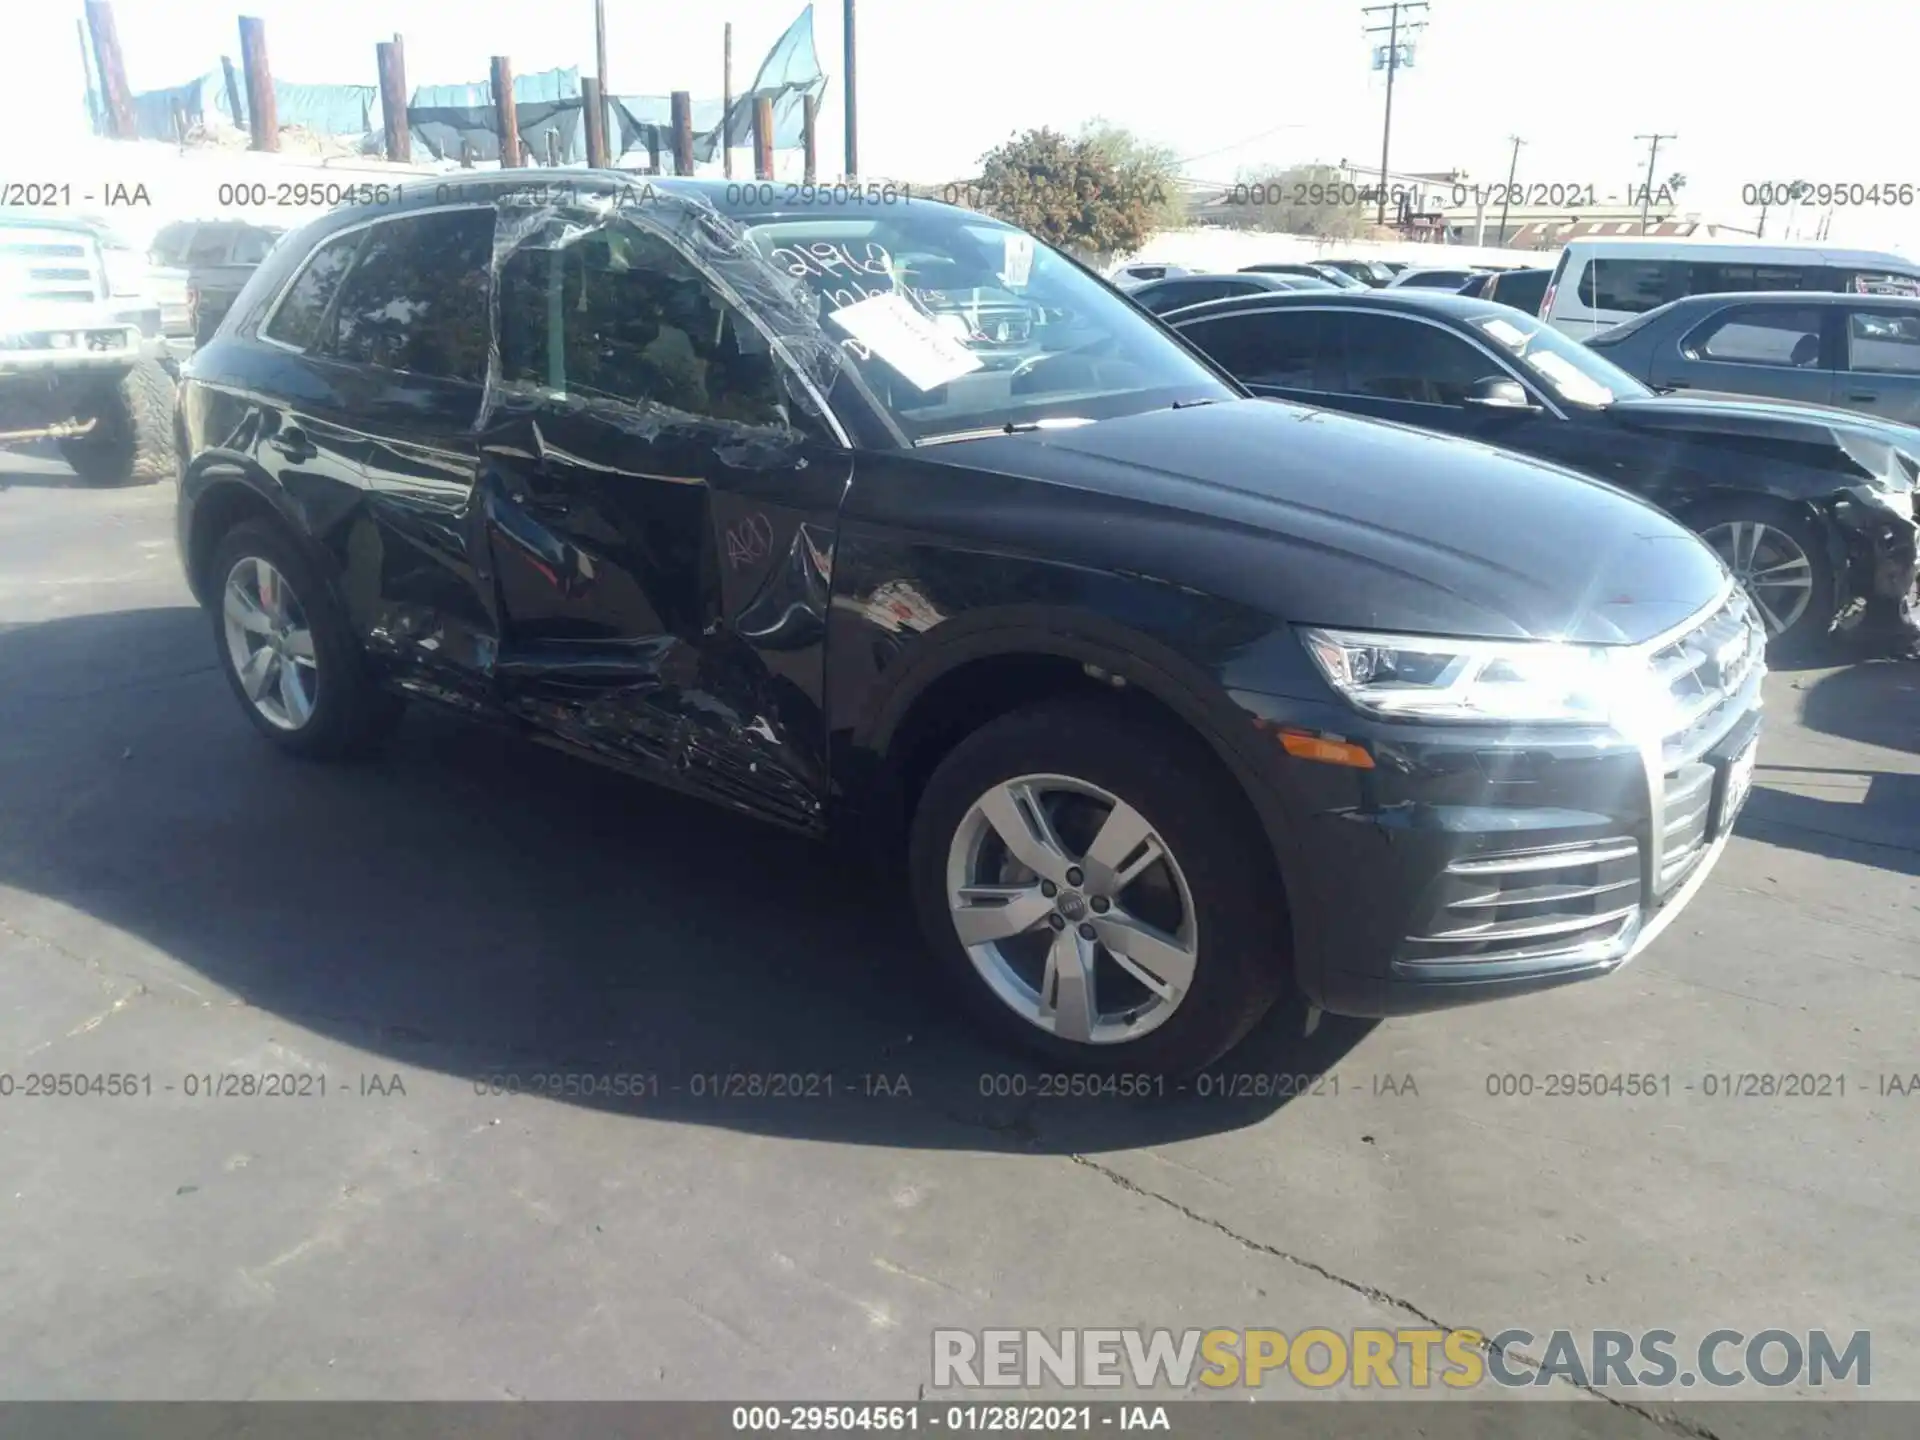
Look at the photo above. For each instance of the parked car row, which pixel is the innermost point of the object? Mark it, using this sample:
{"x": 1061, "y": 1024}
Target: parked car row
{"x": 1160, "y": 700}
{"x": 1812, "y": 510}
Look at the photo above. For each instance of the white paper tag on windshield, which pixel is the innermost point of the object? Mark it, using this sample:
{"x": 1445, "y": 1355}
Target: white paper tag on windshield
{"x": 1568, "y": 380}
{"x": 907, "y": 340}
{"x": 1017, "y": 261}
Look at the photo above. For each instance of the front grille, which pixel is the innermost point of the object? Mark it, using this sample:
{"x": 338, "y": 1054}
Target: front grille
{"x": 1683, "y": 833}
{"x": 49, "y": 265}
{"x": 1703, "y": 674}
{"x": 1530, "y": 904}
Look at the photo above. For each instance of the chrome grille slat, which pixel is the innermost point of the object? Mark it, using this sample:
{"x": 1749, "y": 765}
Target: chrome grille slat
{"x": 1526, "y": 929}
{"x": 1546, "y": 860}
{"x": 1554, "y": 895}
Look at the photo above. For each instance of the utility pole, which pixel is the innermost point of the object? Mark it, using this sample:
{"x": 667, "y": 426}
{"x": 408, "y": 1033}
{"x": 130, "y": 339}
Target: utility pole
{"x": 1513, "y": 167}
{"x": 853, "y": 107}
{"x": 1415, "y": 19}
{"x": 1653, "y": 154}
{"x": 601, "y": 101}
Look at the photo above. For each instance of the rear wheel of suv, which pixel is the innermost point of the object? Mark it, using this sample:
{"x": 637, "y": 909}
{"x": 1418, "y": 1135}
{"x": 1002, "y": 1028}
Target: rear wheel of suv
{"x": 1081, "y": 879}
{"x": 131, "y": 442}
{"x": 288, "y": 652}
{"x": 1780, "y": 559}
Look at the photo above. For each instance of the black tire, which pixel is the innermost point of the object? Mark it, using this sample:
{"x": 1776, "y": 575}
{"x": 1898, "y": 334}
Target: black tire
{"x": 351, "y": 714}
{"x": 1242, "y": 962}
{"x": 1812, "y": 629}
{"x": 131, "y": 442}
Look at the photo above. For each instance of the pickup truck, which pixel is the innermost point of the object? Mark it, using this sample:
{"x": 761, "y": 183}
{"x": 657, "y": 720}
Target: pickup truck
{"x": 84, "y": 358}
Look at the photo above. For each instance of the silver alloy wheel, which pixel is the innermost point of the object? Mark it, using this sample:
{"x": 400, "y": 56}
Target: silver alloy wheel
{"x": 1770, "y": 566}
{"x": 269, "y": 643}
{"x": 1072, "y": 909}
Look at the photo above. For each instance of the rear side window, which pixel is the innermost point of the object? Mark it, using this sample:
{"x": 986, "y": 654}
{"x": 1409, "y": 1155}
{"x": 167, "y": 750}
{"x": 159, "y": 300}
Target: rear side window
{"x": 1883, "y": 343}
{"x": 1631, "y": 286}
{"x": 1523, "y": 292}
{"x": 1270, "y": 349}
{"x": 1786, "y": 335}
{"x": 296, "y": 320}
{"x": 416, "y": 300}
{"x": 1865, "y": 282}
{"x": 250, "y": 247}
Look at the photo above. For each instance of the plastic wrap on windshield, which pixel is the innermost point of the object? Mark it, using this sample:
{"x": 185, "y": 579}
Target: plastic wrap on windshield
{"x": 787, "y": 315}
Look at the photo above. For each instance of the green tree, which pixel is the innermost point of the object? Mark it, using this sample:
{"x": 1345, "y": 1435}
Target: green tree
{"x": 1149, "y": 169}
{"x": 1069, "y": 192}
{"x": 1300, "y": 200}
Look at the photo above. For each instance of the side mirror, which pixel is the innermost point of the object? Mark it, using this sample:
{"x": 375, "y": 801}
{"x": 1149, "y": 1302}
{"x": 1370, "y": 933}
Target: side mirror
{"x": 1496, "y": 392}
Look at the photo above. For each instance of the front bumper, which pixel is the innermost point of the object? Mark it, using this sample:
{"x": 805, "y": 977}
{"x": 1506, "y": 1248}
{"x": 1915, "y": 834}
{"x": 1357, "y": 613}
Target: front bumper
{"x": 1477, "y": 862}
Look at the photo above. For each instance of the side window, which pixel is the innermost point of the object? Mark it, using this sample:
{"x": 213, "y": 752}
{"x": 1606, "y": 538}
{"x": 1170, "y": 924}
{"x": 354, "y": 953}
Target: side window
{"x": 1706, "y": 279}
{"x": 1632, "y": 286}
{"x": 417, "y": 298}
{"x": 1883, "y": 342}
{"x": 1393, "y": 359}
{"x": 621, "y": 315}
{"x": 1760, "y": 335}
{"x": 1864, "y": 282}
{"x": 296, "y": 321}
{"x": 1265, "y": 349}
{"x": 170, "y": 245}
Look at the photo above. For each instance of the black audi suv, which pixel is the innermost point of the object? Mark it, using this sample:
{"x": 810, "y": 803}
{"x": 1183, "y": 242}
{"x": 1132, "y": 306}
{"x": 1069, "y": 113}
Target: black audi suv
{"x": 1171, "y": 698}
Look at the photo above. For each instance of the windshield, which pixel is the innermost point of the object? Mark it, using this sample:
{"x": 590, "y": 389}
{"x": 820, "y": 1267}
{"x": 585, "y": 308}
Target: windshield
{"x": 959, "y": 324}
{"x": 1566, "y": 367}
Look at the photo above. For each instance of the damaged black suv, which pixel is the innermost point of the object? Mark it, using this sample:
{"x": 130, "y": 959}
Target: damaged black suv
{"x": 880, "y": 515}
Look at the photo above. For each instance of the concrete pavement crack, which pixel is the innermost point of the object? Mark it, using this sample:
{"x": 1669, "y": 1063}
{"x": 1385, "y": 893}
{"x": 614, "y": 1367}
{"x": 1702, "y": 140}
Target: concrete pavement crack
{"x": 1673, "y": 1423}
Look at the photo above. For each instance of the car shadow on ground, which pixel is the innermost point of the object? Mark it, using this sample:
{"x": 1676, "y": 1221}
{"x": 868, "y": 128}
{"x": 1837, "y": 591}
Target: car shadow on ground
{"x": 1869, "y": 816}
{"x": 479, "y": 905}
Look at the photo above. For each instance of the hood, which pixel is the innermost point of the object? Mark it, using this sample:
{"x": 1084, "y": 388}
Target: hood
{"x": 1878, "y": 450}
{"x": 1332, "y": 519}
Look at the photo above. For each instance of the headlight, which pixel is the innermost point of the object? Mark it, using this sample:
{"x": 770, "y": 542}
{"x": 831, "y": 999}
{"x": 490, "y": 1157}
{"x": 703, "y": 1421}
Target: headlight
{"x": 1425, "y": 677}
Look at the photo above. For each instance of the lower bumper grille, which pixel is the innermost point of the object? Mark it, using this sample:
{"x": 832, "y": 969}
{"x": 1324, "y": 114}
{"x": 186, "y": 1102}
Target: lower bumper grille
{"x": 1531, "y": 904}
{"x": 1689, "y": 798}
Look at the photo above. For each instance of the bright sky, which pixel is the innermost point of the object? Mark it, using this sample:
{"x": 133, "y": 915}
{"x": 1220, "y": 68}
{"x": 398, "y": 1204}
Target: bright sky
{"x": 1754, "y": 92}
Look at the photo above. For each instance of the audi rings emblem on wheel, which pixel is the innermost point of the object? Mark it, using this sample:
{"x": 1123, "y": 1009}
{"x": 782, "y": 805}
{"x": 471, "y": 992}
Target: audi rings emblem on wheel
{"x": 1072, "y": 909}
{"x": 270, "y": 644}
{"x": 1770, "y": 566}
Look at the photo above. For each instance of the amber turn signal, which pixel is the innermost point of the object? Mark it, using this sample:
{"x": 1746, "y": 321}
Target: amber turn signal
{"x": 1331, "y": 752}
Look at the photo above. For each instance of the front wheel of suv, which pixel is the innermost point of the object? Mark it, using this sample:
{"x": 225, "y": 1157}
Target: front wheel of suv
{"x": 1084, "y": 880}
{"x": 288, "y": 652}
{"x": 1780, "y": 559}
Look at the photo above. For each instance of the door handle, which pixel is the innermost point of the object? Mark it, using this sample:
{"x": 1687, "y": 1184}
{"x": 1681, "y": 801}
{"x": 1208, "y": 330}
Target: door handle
{"x": 1863, "y": 399}
{"x": 292, "y": 442}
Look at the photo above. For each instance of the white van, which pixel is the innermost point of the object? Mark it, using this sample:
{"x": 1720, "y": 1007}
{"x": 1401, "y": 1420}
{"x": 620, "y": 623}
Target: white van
{"x": 1600, "y": 283}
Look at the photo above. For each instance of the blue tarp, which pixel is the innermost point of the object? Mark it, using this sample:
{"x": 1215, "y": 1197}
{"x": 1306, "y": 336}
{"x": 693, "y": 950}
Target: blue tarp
{"x": 351, "y": 110}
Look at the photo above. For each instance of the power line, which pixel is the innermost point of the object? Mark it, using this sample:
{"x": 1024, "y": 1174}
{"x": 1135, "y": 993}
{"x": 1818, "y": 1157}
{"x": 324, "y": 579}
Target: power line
{"x": 1413, "y": 25}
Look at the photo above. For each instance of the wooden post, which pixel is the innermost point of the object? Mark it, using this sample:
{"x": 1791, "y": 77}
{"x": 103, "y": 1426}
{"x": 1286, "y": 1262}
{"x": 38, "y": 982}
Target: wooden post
{"x": 466, "y": 153}
{"x": 592, "y": 117}
{"x": 180, "y": 122}
{"x": 86, "y": 71}
{"x": 726, "y": 105}
{"x": 553, "y": 145}
{"x": 233, "y": 94}
{"x": 506, "y": 119}
{"x": 809, "y": 121}
{"x": 602, "y": 116}
{"x": 682, "y": 133}
{"x": 653, "y": 149}
{"x": 263, "y": 114}
{"x": 763, "y": 138}
{"x": 116, "y": 100}
{"x": 391, "y": 57}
